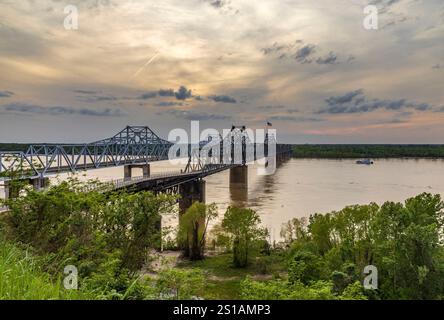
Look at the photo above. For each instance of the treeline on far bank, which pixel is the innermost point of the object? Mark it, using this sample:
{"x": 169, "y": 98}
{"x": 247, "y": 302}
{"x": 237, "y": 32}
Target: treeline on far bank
{"x": 337, "y": 151}
{"x": 334, "y": 151}
{"x": 13, "y": 147}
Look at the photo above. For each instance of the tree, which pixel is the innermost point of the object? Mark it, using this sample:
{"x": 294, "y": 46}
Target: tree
{"x": 403, "y": 241}
{"x": 193, "y": 228}
{"x": 176, "y": 284}
{"x": 105, "y": 235}
{"x": 242, "y": 226}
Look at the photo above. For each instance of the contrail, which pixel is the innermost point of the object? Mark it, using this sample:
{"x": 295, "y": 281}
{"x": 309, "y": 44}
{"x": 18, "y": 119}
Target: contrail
{"x": 145, "y": 65}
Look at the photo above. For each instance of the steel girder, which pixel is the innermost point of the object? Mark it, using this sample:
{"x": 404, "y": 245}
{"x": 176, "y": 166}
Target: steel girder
{"x": 132, "y": 145}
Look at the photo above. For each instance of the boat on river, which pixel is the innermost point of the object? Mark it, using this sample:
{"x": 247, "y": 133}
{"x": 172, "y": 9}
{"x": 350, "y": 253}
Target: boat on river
{"x": 364, "y": 161}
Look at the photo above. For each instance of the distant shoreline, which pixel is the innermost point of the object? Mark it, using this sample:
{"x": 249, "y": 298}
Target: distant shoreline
{"x": 373, "y": 151}
{"x": 335, "y": 151}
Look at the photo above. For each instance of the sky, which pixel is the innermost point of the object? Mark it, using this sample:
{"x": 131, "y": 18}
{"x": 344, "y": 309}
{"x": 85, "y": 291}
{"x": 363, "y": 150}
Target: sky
{"x": 308, "y": 67}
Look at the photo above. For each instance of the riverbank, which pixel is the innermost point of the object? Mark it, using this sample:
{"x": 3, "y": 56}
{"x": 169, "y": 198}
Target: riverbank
{"x": 334, "y": 151}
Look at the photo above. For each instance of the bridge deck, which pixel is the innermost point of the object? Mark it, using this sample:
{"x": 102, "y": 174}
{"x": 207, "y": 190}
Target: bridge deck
{"x": 160, "y": 181}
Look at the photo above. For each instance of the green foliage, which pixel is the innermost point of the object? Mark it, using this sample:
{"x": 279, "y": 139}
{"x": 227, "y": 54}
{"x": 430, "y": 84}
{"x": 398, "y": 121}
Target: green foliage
{"x": 193, "y": 228}
{"x": 13, "y": 147}
{"x": 284, "y": 290}
{"x": 106, "y": 236}
{"x": 402, "y": 240}
{"x": 21, "y": 277}
{"x": 306, "y": 267}
{"x": 177, "y": 284}
{"x": 241, "y": 226}
{"x": 354, "y": 291}
{"x": 332, "y": 151}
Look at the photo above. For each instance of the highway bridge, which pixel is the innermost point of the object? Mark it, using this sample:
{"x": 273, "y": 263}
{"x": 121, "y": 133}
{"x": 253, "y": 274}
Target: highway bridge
{"x": 137, "y": 147}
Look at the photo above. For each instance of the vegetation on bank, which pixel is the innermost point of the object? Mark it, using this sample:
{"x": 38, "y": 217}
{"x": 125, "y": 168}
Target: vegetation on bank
{"x": 334, "y": 151}
{"x": 14, "y": 146}
{"x": 110, "y": 239}
{"x": 337, "y": 151}
{"x": 21, "y": 277}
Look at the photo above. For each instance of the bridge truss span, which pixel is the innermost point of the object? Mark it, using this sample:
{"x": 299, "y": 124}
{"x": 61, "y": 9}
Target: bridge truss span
{"x": 132, "y": 145}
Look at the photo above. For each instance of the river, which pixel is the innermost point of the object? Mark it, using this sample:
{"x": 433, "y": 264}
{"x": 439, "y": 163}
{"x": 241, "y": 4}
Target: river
{"x": 301, "y": 187}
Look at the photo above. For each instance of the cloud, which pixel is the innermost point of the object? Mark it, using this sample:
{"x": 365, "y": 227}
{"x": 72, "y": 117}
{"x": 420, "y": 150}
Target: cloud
{"x": 99, "y": 98}
{"x": 192, "y": 115}
{"x": 331, "y": 58}
{"x": 24, "y": 108}
{"x": 223, "y": 5}
{"x": 348, "y": 97}
{"x": 357, "y": 102}
{"x": 294, "y": 118}
{"x": 269, "y": 108}
{"x": 292, "y": 110}
{"x": 303, "y": 54}
{"x": 6, "y": 94}
{"x": 279, "y": 48}
{"x": 384, "y": 4}
{"x": 86, "y": 92}
{"x": 223, "y": 99}
{"x": 168, "y": 104}
{"x": 147, "y": 95}
{"x": 94, "y": 96}
{"x": 182, "y": 94}
{"x": 440, "y": 109}
{"x": 166, "y": 92}
{"x": 278, "y": 108}
{"x": 218, "y": 3}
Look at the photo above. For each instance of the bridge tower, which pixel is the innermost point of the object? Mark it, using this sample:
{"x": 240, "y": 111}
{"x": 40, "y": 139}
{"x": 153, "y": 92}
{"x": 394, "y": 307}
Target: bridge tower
{"x": 239, "y": 174}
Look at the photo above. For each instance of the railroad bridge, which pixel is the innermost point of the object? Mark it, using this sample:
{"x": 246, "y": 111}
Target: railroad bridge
{"x": 137, "y": 147}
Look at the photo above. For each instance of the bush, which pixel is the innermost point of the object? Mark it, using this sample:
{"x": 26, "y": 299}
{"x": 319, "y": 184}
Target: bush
{"x": 176, "y": 284}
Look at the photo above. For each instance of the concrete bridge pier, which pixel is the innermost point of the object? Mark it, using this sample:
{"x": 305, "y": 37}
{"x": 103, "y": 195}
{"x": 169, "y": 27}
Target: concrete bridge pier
{"x": 239, "y": 185}
{"x": 239, "y": 174}
{"x": 190, "y": 192}
{"x": 128, "y": 170}
{"x": 12, "y": 188}
{"x": 39, "y": 183}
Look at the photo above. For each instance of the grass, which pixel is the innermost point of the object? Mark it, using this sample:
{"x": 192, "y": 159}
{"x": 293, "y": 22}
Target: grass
{"x": 22, "y": 279}
{"x": 223, "y": 279}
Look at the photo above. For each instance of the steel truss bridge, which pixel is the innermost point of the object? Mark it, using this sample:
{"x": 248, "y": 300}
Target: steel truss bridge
{"x": 136, "y": 145}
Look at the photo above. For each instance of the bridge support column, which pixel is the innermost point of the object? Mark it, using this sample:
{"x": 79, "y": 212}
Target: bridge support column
{"x": 191, "y": 192}
{"x": 12, "y": 188}
{"x": 39, "y": 183}
{"x": 239, "y": 185}
{"x": 128, "y": 170}
{"x": 239, "y": 174}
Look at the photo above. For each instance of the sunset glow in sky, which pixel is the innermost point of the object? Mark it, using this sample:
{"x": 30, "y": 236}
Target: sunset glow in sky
{"x": 309, "y": 67}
